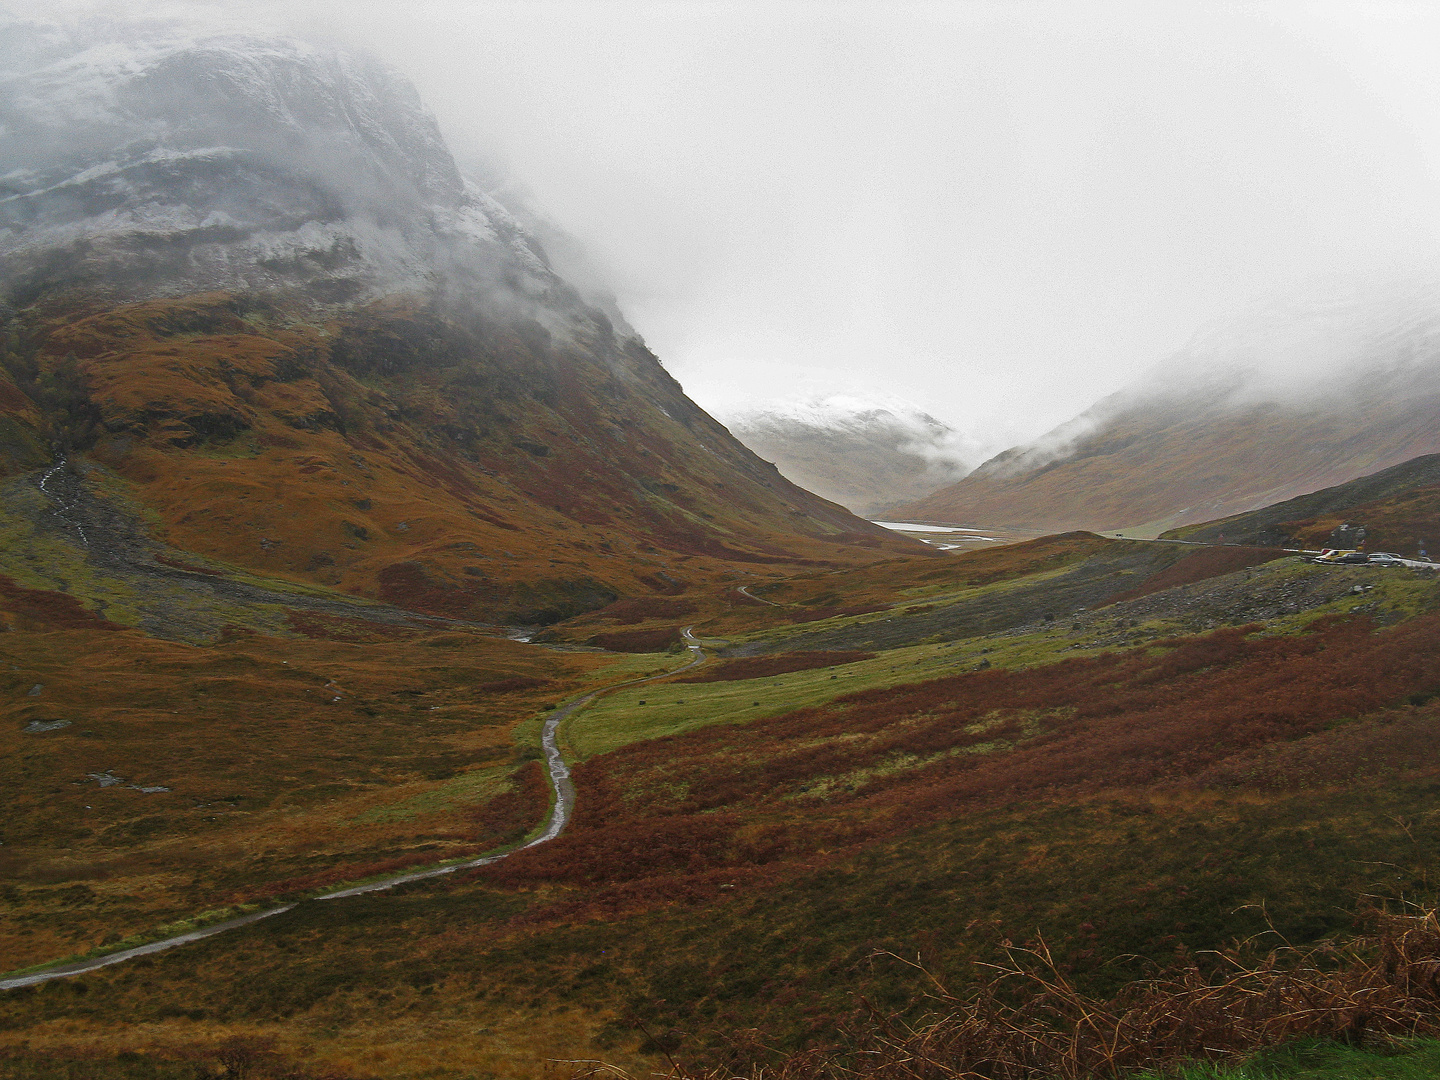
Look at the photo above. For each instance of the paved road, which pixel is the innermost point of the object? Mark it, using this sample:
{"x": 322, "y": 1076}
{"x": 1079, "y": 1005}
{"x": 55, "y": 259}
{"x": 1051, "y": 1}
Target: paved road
{"x": 560, "y": 811}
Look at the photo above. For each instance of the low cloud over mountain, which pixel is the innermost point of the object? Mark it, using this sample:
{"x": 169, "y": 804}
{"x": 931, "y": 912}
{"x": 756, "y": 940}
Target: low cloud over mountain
{"x": 1281, "y": 400}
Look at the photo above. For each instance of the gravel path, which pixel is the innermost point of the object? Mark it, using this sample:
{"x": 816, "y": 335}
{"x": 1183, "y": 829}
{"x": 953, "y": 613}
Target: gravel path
{"x": 561, "y": 808}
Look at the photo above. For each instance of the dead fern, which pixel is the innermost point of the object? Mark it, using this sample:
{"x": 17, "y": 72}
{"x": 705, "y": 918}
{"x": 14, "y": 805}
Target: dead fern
{"x": 1026, "y": 1020}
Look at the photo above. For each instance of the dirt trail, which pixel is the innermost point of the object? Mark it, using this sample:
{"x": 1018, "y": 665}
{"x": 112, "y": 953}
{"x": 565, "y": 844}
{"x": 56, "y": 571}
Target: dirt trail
{"x": 561, "y": 808}
{"x": 744, "y": 590}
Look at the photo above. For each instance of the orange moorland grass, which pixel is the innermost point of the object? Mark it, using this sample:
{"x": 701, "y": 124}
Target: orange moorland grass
{"x": 884, "y": 581}
{"x": 516, "y": 1044}
{"x": 149, "y": 780}
{"x": 1027, "y": 1020}
{"x": 393, "y": 454}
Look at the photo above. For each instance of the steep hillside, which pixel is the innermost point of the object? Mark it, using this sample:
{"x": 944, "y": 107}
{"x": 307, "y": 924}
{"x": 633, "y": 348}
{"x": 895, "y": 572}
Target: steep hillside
{"x": 862, "y": 453}
{"x": 466, "y": 467}
{"x": 252, "y": 299}
{"x": 1398, "y": 507}
{"x": 1275, "y": 405}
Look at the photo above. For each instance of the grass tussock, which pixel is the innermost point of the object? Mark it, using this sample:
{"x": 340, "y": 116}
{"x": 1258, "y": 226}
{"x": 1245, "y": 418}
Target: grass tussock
{"x": 1028, "y": 1021}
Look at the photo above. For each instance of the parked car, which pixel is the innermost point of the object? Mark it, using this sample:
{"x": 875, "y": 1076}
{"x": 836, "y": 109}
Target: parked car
{"x": 1385, "y": 558}
{"x": 1334, "y": 555}
{"x": 1352, "y": 557}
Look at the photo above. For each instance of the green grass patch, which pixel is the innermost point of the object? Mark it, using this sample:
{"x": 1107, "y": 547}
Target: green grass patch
{"x": 472, "y": 787}
{"x": 672, "y": 708}
{"x": 1414, "y": 1059}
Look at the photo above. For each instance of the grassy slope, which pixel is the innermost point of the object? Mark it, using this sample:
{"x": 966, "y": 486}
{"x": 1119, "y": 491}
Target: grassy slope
{"x": 475, "y": 469}
{"x": 1181, "y": 461}
{"x": 1398, "y": 506}
{"x": 286, "y": 761}
{"x": 1418, "y": 1059}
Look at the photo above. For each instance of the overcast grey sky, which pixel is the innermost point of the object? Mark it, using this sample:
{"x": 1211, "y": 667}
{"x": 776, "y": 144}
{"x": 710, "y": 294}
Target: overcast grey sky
{"x": 1001, "y": 211}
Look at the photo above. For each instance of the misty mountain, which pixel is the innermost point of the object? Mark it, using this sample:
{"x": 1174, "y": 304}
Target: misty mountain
{"x": 862, "y": 452}
{"x": 1280, "y": 401}
{"x": 230, "y": 249}
{"x": 168, "y": 161}
{"x": 1398, "y": 508}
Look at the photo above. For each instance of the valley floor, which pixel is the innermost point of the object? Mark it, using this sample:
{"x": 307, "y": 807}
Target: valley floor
{"x": 1133, "y": 753}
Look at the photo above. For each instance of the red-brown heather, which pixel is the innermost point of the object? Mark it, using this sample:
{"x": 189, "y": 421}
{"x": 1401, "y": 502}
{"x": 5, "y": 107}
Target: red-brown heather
{"x": 461, "y": 467}
{"x": 1224, "y": 707}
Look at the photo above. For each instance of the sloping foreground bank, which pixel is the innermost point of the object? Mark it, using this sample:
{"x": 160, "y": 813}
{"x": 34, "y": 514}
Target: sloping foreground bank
{"x": 1027, "y": 1021}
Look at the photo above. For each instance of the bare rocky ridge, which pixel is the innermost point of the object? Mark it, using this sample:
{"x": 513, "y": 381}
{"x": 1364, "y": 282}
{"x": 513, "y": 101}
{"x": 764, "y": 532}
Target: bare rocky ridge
{"x": 173, "y": 162}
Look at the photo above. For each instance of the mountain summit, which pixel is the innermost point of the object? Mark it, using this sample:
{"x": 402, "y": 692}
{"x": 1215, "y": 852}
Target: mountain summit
{"x": 247, "y": 291}
{"x": 174, "y": 162}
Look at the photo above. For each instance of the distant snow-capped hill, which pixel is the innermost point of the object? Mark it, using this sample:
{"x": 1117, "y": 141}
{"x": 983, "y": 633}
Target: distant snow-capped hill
{"x": 1282, "y": 400}
{"x": 865, "y": 453}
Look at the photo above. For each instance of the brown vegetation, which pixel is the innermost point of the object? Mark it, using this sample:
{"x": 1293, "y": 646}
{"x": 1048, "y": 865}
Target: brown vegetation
{"x": 880, "y": 762}
{"x": 1200, "y": 565}
{"x": 638, "y": 641}
{"x": 275, "y": 765}
{"x": 642, "y": 608}
{"x": 737, "y": 877}
{"x": 464, "y": 468}
{"x": 1027, "y": 1020}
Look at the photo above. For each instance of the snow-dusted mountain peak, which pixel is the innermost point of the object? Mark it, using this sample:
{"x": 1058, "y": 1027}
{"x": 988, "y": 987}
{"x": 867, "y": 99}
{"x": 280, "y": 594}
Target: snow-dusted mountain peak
{"x": 151, "y": 157}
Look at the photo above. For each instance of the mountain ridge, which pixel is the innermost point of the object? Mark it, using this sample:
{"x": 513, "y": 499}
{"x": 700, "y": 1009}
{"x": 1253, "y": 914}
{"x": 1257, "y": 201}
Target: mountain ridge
{"x": 1235, "y": 422}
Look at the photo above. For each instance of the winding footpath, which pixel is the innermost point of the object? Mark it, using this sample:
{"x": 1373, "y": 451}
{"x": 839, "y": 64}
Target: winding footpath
{"x": 562, "y": 807}
{"x": 744, "y": 590}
